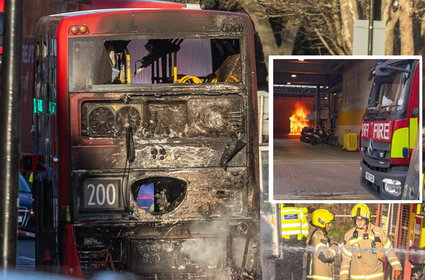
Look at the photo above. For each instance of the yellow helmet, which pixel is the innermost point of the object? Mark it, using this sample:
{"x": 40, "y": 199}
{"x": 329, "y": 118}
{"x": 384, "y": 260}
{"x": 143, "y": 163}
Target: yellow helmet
{"x": 321, "y": 217}
{"x": 360, "y": 210}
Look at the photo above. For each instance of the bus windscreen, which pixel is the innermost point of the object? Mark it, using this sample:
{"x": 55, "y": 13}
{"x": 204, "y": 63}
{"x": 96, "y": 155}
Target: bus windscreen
{"x": 97, "y": 61}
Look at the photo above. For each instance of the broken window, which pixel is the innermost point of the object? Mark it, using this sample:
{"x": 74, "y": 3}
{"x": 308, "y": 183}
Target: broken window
{"x": 96, "y": 62}
{"x": 159, "y": 195}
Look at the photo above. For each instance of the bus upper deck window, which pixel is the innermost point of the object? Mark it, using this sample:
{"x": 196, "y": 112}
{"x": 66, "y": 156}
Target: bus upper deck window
{"x": 96, "y": 61}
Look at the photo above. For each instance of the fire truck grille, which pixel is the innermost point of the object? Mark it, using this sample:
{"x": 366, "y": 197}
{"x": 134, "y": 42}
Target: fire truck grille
{"x": 376, "y": 168}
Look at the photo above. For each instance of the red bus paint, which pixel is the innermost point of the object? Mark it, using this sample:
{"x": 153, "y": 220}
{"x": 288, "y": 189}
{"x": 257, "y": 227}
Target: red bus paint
{"x": 128, "y": 98}
{"x": 2, "y": 25}
{"x": 389, "y": 128}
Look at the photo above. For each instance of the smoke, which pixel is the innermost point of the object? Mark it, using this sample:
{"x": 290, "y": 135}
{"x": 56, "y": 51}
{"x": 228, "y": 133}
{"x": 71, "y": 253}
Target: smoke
{"x": 208, "y": 252}
{"x": 204, "y": 252}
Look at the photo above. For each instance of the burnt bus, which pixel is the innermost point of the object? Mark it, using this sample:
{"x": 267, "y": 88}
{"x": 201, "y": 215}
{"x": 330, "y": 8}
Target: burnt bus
{"x": 145, "y": 125}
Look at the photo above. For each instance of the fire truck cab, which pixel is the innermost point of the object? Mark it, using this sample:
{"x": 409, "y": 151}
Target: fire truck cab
{"x": 389, "y": 127}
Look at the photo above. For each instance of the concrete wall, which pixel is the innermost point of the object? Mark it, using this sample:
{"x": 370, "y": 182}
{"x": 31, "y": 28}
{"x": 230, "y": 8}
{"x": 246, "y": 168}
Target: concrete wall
{"x": 355, "y": 94}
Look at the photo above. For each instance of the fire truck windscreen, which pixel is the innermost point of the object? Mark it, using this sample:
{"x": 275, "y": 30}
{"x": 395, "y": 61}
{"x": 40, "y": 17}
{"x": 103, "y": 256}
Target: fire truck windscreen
{"x": 390, "y": 90}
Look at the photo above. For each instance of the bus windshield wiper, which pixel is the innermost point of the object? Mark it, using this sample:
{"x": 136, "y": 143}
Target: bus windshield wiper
{"x": 129, "y": 144}
{"x": 230, "y": 151}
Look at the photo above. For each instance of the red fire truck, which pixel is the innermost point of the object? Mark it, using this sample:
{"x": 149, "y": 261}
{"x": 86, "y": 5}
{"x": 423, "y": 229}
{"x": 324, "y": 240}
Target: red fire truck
{"x": 389, "y": 128}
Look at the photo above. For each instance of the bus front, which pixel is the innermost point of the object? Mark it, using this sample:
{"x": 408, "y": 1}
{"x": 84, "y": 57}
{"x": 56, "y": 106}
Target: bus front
{"x": 162, "y": 156}
{"x": 389, "y": 128}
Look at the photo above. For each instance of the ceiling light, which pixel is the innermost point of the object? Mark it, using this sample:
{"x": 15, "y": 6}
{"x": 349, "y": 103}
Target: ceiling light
{"x": 293, "y": 75}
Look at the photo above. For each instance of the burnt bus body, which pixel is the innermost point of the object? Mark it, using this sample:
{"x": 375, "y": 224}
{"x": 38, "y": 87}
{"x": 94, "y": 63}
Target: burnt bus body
{"x": 151, "y": 146}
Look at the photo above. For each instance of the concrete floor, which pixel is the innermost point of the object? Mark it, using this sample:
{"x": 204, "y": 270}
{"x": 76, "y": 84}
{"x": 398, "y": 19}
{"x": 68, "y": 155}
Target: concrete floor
{"x": 322, "y": 172}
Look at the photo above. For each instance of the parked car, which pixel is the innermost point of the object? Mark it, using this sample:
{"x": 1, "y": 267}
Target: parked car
{"x": 26, "y": 214}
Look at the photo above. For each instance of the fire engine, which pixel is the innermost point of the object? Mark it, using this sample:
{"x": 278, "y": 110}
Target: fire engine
{"x": 389, "y": 128}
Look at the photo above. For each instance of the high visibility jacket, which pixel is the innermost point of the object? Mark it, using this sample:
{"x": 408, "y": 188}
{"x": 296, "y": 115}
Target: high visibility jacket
{"x": 361, "y": 251}
{"x": 293, "y": 223}
{"x": 320, "y": 261}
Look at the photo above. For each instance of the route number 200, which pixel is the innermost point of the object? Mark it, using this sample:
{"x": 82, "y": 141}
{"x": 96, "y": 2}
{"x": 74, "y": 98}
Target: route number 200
{"x": 100, "y": 195}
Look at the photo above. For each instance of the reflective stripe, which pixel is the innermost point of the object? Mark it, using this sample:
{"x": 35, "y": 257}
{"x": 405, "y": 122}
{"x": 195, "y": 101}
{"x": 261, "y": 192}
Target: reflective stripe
{"x": 288, "y": 225}
{"x": 370, "y": 276}
{"x": 346, "y": 252}
{"x": 290, "y": 232}
{"x": 343, "y": 271}
{"x": 320, "y": 245}
{"x": 291, "y": 211}
{"x": 292, "y": 225}
{"x": 319, "y": 277}
{"x": 387, "y": 245}
{"x": 355, "y": 240}
{"x": 395, "y": 263}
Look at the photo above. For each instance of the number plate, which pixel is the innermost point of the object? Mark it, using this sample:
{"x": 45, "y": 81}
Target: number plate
{"x": 369, "y": 177}
{"x": 102, "y": 194}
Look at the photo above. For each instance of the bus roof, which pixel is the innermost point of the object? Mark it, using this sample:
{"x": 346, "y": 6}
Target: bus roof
{"x": 148, "y": 21}
{"x": 116, "y": 11}
{"x": 111, "y": 10}
{"x": 111, "y": 4}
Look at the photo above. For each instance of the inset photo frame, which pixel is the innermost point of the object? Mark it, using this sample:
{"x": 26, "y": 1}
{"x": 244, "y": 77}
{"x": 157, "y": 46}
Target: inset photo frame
{"x": 345, "y": 129}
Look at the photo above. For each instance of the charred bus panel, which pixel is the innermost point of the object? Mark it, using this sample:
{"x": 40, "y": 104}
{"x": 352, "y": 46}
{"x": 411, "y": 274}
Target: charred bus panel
{"x": 158, "y": 172}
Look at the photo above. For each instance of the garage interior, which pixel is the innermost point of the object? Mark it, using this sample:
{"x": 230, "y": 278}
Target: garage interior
{"x": 328, "y": 95}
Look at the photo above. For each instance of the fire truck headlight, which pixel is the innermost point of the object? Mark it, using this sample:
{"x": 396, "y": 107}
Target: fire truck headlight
{"x": 392, "y": 186}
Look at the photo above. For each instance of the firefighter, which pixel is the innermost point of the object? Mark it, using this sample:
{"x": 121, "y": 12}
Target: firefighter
{"x": 294, "y": 233}
{"x": 365, "y": 249}
{"x": 320, "y": 260}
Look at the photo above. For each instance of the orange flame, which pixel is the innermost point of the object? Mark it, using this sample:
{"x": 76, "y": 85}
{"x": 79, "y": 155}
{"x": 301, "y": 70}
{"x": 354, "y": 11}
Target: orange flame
{"x": 298, "y": 119}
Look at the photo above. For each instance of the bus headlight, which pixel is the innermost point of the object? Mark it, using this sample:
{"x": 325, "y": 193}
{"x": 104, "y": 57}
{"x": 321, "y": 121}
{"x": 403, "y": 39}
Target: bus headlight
{"x": 392, "y": 186}
{"x": 213, "y": 119}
